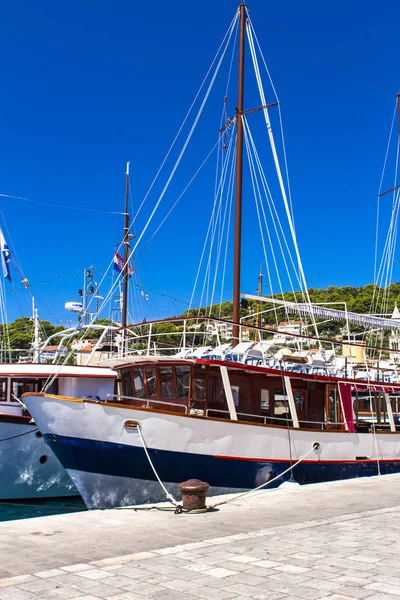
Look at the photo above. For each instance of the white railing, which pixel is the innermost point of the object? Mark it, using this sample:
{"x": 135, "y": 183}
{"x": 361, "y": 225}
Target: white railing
{"x": 148, "y": 401}
{"x": 265, "y": 418}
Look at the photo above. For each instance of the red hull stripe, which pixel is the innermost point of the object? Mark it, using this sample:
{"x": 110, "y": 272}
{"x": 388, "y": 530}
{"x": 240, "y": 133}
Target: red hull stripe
{"x": 287, "y": 460}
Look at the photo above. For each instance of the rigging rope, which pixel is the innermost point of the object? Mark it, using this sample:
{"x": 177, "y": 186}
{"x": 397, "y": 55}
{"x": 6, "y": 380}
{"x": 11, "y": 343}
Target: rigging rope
{"x": 98, "y": 210}
{"x": 171, "y": 175}
{"x": 277, "y": 166}
{"x": 227, "y": 34}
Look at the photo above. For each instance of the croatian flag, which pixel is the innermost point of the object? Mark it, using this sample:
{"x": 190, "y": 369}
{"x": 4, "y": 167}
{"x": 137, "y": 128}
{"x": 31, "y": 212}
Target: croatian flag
{"x": 5, "y": 257}
{"x": 119, "y": 264}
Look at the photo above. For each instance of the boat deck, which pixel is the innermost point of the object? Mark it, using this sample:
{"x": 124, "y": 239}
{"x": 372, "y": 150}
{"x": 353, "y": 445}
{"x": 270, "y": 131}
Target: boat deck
{"x": 286, "y": 543}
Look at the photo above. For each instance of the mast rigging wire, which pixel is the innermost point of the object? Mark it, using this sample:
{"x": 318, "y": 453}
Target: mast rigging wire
{"x": 97, "y": 210}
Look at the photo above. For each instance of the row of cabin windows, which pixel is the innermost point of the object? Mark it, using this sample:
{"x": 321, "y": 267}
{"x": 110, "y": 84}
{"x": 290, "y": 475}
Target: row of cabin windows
{"x": 173, "y": 382}
{"x": 22, "y": 386}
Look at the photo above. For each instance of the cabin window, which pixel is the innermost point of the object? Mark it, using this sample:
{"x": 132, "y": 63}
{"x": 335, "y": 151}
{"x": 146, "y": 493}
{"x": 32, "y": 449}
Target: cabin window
{"x": 395, "y": 402}
{"x": 333, "y": 405}
{"x": 199, "y": 389}
{"x": 138, "y": 383}
{"x": 281, "y": 406}
{"x": 151, "y": 382}
{"x": 23, "y": 386}
{"x": 126, "y": 383}
{"x": 17, "y": 389}
{"x": 299, "y": 400}
{"x": 265, "y": 400}
{"x": 182, "y": 381}
{"x": 167, "y": 387}
{"x": 3, "y": 390}
{"x": 235, "y": 394}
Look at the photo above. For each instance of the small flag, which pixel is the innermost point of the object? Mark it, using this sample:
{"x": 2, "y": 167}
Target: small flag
{"x": 119, "y": 264}
{"x": 5, "y": 257}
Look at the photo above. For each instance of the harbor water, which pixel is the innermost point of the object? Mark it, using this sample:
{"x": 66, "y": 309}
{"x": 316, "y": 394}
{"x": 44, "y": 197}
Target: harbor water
{"x": 26, "y": 509}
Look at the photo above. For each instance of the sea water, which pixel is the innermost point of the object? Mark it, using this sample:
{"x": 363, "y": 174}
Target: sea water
{"x": 26, "y": 509}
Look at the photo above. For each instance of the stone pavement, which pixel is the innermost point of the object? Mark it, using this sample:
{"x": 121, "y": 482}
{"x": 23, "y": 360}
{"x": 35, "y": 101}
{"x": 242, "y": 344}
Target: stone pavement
{"x": 335, "y": 541}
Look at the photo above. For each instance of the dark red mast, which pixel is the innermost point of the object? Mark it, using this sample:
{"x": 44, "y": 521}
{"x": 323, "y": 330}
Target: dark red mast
{"x": 239, "y": 177}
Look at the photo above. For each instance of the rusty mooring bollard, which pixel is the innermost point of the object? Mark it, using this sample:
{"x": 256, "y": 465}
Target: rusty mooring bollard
{"x": 194, "y": 494}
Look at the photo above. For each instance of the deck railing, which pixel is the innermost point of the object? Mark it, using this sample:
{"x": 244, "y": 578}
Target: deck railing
{"x": 266, "y": 418}
{"x": 148, "y": 401}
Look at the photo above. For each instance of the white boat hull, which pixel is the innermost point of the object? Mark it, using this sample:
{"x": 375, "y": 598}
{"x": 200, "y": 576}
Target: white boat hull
{"x": 28, "y": 467}
{"x": 107, "y": 462}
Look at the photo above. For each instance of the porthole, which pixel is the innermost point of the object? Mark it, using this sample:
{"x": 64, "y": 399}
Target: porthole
{"x": 38, "y": 434}
{"x": 43, "y": 459}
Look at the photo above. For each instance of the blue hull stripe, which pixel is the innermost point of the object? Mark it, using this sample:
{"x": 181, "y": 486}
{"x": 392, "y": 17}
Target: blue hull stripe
{"x": 120, "y": 460}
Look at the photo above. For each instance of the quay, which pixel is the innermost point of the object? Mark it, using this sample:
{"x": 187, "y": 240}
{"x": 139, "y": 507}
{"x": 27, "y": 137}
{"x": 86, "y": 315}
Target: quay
{"x": 330, "y": 541}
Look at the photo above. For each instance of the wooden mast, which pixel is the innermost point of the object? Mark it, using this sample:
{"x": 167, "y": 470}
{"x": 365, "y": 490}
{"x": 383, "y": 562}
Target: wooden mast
{"x": 126, "y": 259}
{"x": 259, "y": 293}
{"x": 239, "y": 177}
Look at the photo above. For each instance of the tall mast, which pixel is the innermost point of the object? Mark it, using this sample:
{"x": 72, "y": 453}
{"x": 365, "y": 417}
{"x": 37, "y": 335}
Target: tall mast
{"x": 259, "y": 293}
{"x": 126, "y": 257}
{"x": 239, "y": 177}
{"x": 36, "y": 341}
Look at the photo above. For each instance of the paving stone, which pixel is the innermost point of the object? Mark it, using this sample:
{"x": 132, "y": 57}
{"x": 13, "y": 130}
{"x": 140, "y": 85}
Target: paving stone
{"x": 196, "y": 567}
{"x": 388, "y": 579}
{"x": 338, "y": 597}
{"x": 292, "y": 569}
{"x": 219, "y": 572}
{"x": 122, "y": 582}
{"x": 77, "y": 568}
{"x": 355, "y": 592}
{"x": 88, "y": 597}
{"x": 273, "y": 596}
{"x": 180, "y": 585}
{"x": 145, "y": 589}
{"x": 15, "y": 593}
{"x": 125, "y": 596}
{"x": 170, "y": 595}
{"x": 211, "y": 593}
{"x": 48, "y": 574}
{"x": 387, "y": 588}
{"x": 63, "y": 594}
{"x": 320, "y": 584}
{"x": 38, "y": 585}
{"x": 242, "y": 558}
{"x": 9, "y": 581}
{"x": 266, "y": 564}
{"x": 382, "y": 597}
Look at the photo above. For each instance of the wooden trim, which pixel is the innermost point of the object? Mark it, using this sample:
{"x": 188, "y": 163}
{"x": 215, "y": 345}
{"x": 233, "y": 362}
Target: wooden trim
{"x": 46, "y": 374}
{"x": 17, "y": 419}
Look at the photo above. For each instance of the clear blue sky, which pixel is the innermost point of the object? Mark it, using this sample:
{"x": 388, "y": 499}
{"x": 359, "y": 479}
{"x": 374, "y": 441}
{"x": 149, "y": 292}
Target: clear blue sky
{"x": 86, "y": 86}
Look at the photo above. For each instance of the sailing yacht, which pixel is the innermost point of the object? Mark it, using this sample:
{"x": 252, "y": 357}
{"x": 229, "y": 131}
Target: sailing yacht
{"x": 226, "y": 417}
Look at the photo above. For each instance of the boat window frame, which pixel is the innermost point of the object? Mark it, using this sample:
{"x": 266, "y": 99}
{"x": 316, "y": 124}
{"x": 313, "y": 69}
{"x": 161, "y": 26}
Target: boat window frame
{"x": 159, "y": 367}
{"x": 38, "y": 383}
{"x": 189, "y": 370}
{"x": 7, "y": 397}
{"x": 143, "y": 391}
{"x": 123, "y": 388}
{"x": 152, "y": 369}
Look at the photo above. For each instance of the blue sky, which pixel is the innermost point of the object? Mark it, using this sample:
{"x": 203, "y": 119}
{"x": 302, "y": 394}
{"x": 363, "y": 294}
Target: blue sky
{"x": 87, "y": 86}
